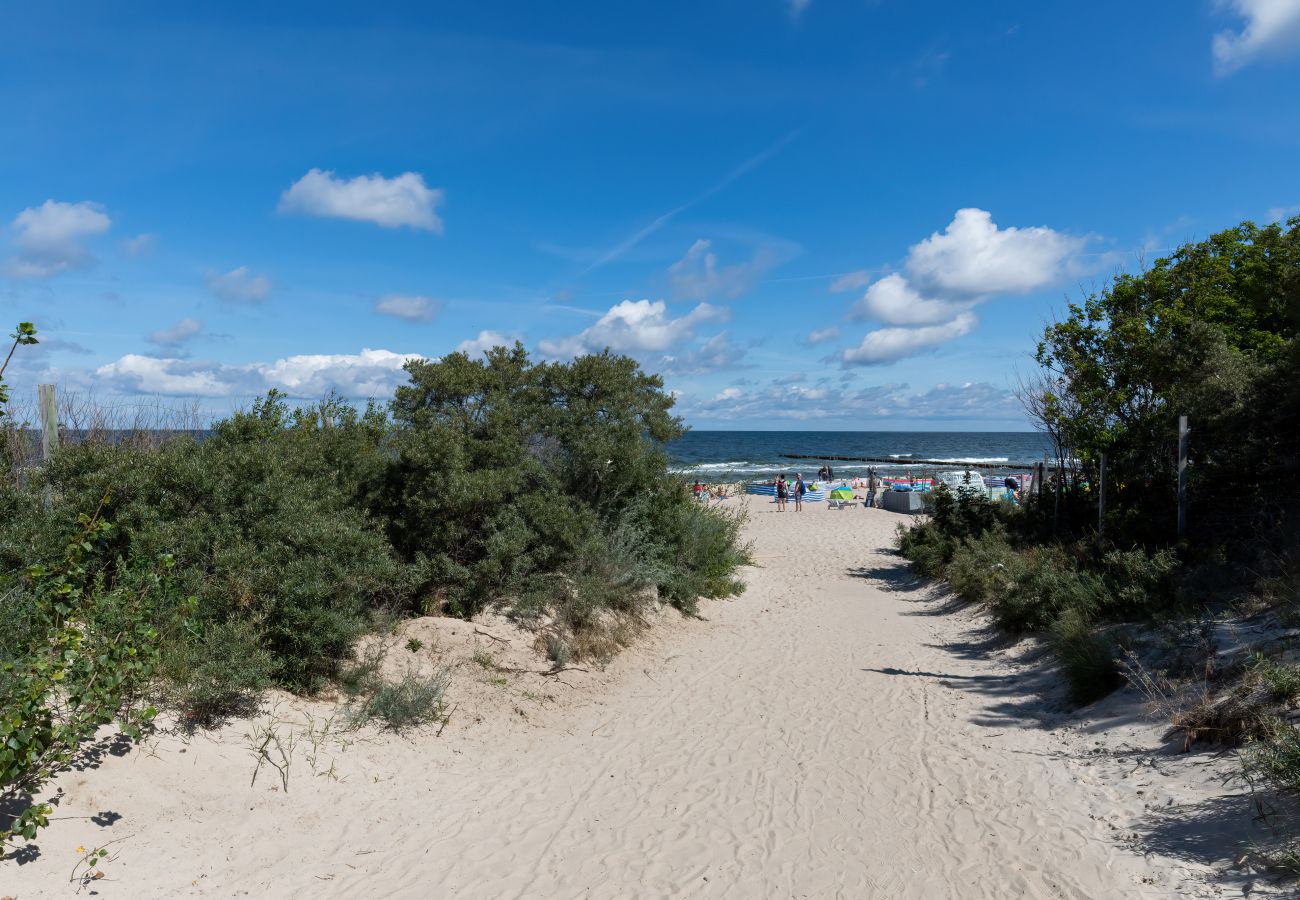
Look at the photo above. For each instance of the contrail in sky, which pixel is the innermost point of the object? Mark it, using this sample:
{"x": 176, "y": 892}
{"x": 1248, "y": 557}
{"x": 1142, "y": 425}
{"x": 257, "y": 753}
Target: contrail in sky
{"x": 747, "y": 166}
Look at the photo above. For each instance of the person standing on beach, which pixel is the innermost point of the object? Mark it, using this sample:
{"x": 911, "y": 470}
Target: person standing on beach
{"x": 799, "y": 491}
{"x": 782, "y": 490}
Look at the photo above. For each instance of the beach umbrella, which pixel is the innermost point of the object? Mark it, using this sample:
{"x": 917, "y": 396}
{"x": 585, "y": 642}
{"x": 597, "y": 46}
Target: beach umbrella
{"x": 842, "y": 493}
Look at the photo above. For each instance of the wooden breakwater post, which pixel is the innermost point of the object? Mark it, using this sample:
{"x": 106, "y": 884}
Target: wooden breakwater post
{"x": 1183, "y": 433}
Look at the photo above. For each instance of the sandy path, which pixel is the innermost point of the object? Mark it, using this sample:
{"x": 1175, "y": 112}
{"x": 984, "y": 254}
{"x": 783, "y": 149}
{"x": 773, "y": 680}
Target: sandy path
{"x": 823, "y": 735}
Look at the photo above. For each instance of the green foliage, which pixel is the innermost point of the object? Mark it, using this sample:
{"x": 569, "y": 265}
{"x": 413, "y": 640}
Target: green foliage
{"x": 1209, "y": 332}
{"x": 1088, "y": 657}
{"x": 413, "y": 701}
{"x": 24, "y": 334}
{"x": 1273, "y": 758}
{"x": 86, "y": 652}
{"x": 214, "y": 670}
{"x": 546, "y": 488}
{"x": 265, "y": 522}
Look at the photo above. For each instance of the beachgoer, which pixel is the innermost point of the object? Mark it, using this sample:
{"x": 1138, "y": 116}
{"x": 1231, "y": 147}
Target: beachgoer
{"x": 697, "y": 489}
{"x": 830, "y": 474}
{"x": 799, "y": 491}
{"x": 782, "y": 490}
{"x": 871, "y": 489}
{"x": 1013, "y": 489}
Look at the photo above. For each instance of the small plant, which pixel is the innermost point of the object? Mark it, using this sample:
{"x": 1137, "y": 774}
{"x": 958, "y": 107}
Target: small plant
{"x": 415, "y": 645}
{"x": 484, "y": 659}
{"x": 1273, "y": 758}
{"x": 90, "y": 867}
{"x": 362, "y": 676}
{"x": 413, "y": 701}
{"x": 558, "y": 650}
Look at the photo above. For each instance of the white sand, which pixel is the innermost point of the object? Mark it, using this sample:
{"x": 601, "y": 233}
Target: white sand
{"x": 833, "y": 732}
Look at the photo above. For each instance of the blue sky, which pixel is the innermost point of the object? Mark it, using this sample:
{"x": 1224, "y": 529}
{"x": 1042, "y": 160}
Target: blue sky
{"x": 805, "y": 215}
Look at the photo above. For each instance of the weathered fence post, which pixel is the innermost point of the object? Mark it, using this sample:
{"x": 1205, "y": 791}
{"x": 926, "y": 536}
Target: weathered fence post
{"x": 49, "y": 421}
{"x": 1183, "y": 432}
{"x": 1101, "y": 499}
{"x": 49, "y": 413}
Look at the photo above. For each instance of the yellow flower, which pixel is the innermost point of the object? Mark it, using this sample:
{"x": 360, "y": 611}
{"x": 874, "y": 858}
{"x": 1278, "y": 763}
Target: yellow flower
{"x": 81, "y": 849}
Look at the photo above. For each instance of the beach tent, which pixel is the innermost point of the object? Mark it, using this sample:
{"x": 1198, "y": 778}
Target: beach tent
{"x": 840, "y": 497}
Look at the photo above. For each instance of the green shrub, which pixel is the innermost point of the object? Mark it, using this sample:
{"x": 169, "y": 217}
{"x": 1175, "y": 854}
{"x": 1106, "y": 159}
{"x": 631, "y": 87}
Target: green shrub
{"x": 217, "y": 669}
{"x": 413, "y": 701}
{"x": 1273, "y": 758}
{"x": 1088, "y": 658}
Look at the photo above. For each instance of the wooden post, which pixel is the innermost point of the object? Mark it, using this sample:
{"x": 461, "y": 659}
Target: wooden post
{"x": 1183, "y": 432}
{"x": 1101, "y": 500}
{"x": 49, "y": 421}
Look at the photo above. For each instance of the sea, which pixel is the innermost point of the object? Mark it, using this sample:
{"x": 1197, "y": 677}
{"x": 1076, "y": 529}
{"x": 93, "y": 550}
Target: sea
{"x": 750, "y": 455}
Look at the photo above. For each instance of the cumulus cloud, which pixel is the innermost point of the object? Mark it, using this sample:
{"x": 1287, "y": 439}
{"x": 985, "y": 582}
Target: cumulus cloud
{"x": 795, "y": 401}
{"x": 822, "y": 335}
{"x": 893, "y": 300}
{"x": 485, "y": 341}
{"x": 975, "y": 258}
{"x": 50, "y": 238}
{"x": 718, "y": 352}
{"x": 886, "y": 345}
{"x": 635, "y": 326}
{"x": 697, "y": 275}
{"x": 238, "y": 285}
{"x": 407, "y": 307}
{"x": 948, "y": 274}
{"x": 370, "y": 373}
{"x": 1271, "y": 30}
{"x": 177, "y": 335}
{"x": 404, "y": 200}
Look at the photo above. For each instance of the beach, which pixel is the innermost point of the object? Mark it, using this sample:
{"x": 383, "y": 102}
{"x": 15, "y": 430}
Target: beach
{"x": 837, "y": 730}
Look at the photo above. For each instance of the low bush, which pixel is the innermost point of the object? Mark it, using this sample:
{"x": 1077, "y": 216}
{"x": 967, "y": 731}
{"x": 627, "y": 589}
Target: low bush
{"x": 1272, "y": 758}
{"x": 410, "y": 702}
{"x": 1089, "y": 659}
{"x": 216, "y": 670}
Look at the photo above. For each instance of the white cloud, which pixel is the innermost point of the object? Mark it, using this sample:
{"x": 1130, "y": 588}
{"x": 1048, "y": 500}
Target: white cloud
{"x": 822, "y": 335}
{"x": 949, "y": 273}
{"x": 793, "y": 401}
{"x": 51, "y": 237}
{"x": 974, "y": 258}
{"x": 486, "y": 340}
{"x": 238, "y": 285}
{"x": 894, "y": 301}
{"x": 183, "y": 331}
{"x": 887, "y": 345}
{"x": 390, "y": 202}
{"x": 410, "y": 308}
{"x": 696, "y": 276}
{"x": 718, "y": 352}
{"x": 1282, "y": 213}
{"x": 370, "y": 373}
{"x": 635, "y": 326}
{"x": 1271, "y": 30}
{"x": 140, "y": 245}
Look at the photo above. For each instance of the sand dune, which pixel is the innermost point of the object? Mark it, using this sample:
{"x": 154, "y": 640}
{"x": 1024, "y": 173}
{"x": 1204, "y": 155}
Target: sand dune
{"x": 834, "y": 732}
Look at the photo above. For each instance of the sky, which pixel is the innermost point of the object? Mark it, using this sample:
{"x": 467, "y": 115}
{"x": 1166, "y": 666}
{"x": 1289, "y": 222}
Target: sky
{"x": 803, "y": 214}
